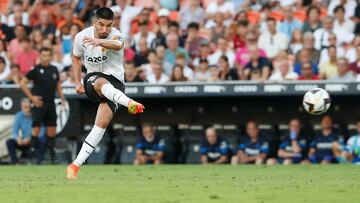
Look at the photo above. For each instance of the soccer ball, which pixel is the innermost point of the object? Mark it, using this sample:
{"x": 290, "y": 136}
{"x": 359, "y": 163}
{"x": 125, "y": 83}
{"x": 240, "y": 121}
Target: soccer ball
{"x": 316, "y": 101}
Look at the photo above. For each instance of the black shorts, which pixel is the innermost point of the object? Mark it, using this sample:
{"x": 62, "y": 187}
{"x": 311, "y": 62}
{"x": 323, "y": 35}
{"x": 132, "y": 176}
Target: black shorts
{"x": 91, "y": 93}
{"x": 44, "y": 115}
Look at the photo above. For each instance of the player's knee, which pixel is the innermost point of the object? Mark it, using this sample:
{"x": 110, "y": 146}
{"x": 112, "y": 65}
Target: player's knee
{"x": 99, "y": 83}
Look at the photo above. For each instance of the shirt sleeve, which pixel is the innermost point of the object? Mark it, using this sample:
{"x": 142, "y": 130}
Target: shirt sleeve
{"x": 140, "y": 145}
{"x": 203, "y": 150}
{"x": 78, "y": 49}
{"x": 16, "y": 126}
{"x": 161, "y": 146}
{"x": 264, "y": 148}
{"x": 242, "y": 146}
{"x": 224, "y": 148}
{"x": 31, "y": 75}
{"x": 120, "y": 37}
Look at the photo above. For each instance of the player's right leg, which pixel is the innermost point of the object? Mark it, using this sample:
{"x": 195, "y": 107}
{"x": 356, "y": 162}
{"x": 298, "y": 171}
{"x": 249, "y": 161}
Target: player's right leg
{"x": 103, "y": 119}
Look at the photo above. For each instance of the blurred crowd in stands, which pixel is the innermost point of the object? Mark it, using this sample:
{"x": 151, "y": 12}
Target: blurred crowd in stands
{"x": 193, "y": 40}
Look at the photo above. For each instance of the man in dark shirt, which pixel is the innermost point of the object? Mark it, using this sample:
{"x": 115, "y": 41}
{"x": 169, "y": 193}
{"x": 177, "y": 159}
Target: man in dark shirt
{"x": 257, "y": 63}
{"x": 149, "y": 148}
{"x": 45, "y": 78}
{"x": 141, "y": 56}
{"x": 214, "y": 149}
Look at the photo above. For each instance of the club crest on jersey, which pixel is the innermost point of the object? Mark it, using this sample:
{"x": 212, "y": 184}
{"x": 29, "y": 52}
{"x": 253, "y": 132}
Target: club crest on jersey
{"x": 95, "y": 59}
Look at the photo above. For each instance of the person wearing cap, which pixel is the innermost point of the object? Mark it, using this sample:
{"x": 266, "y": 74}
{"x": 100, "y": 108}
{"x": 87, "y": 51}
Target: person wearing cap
{"x": 162, "y": 25}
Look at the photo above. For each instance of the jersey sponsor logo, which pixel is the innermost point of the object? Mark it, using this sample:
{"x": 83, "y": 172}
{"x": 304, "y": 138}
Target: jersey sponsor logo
{"x": 324, "y": 145}
{"x": 95, "y": 59}
{"x": 252, "y": 152}
{"x": 213, "y": 155}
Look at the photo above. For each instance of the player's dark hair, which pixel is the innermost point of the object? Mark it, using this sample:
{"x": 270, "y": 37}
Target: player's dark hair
{"x": 45, "y": 49}
{"x": 104, "y": 13}
{"x": 193, "y": 25}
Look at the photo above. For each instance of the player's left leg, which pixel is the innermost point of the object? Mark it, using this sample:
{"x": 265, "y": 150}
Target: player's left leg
{"x": 103, "y": 118}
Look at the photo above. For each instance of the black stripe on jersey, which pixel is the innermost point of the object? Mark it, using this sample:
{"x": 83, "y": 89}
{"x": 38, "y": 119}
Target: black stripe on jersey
{"x": 89, "y": 144}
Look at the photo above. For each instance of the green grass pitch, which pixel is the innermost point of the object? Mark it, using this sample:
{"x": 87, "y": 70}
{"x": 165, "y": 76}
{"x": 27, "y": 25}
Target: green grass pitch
{"x": 177, "y": 183}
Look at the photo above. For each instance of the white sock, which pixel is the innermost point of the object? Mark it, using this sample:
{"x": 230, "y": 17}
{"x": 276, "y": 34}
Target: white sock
{"x": 91, "y": 141}
{"x": 115, "y": 95}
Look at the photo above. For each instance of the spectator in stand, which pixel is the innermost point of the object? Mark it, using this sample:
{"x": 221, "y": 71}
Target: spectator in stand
{"x": 321, "y": 147}
{"x": 329, "y": 69}
{"x": 14, "y": 47}
{"x": 70, "y": 78}
{"x": 172, "y": 42}
{"x": 296, "y": 43}
{"x": 128, "y": 13}
{"x": 351, "y": 49}
{"x": 215, "y": 74}
{"x": 284, "y": 73}
{"x": 224, "y": 68}
{"x": 306, "y": 72}
{"x": 141, "y": 56}
{"x": 152, "y": 61}
{"x": 143, "y": 16}
{"x": 3, "y": 52}
{"x": 349, "y": 6}
{"x": 340, "y": 52}
{"x": 158, "y": 76}
{"x": 253, "y": 149}
{"x": 290, "y": 24}
{"x": 341, "y": 22}
{"x": 214, "y": 149}
{"x": 131, "y": 73}
{"x": 293, "y": 145}
{"x": 46, "y": 25}
{"x": 36, "y": 38}
{"x": 160, "y": 55}
{"x": 218, "y": 30}
{"x": 177, "y": 74}
{"x": 193, "y": 40}
{"x": 174, "y": 28}
{"x": 242, "y": 56}
{"x": 355, "y": 67}
{"x": 344, "y": 73}
{"x": 222, "y": 50}
{"x": 162, "y": 27}
{"x": 313, "y": 22}
{"x": 309, "y": 47}
{"x": 27, "y": 57}
{"x": 202, "y": 73}
{"x": 4, "y": 70}
{"x": 188, "y": 72}
{"x": 15, "y": 75}
{"x": 150, "y": 148}
{"x": 64, "y": 25}
{"x": 258, "y": 64}
{"x": 204, "y": 54}
{"x": 144, "y": 33}
{"x": 191, "y": 12}
{"x": 17, "y": 7}
{"x": 223, "y": 6}
{"x": 272, "y": 42}
{"x": 304, "y": 57}
{"x": 239, "y": 39}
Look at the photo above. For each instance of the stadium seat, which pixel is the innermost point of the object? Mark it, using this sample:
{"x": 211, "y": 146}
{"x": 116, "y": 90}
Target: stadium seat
{"x": 65, "y": 150}
{"x": 231, "y": 133}
{"x": 128, "y": 140}
{"x": 271, "y": 135}
{"x": 192, "y": 138}
{"x": 166, "y": 132}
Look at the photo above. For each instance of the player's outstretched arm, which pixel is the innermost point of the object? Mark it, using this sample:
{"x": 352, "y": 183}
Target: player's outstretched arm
{"x": 106, "y": 43}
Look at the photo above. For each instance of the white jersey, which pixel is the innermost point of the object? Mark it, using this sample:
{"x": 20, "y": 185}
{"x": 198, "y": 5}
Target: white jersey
{"x": 100, "y": 59}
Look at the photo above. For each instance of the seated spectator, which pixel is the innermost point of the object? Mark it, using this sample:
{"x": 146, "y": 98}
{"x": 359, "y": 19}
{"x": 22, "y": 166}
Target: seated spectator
{"x": 242, "y": 56}
{"x": 214, "y": 149}
{"x": 239, "y": 40}
{"x": 344, "y": 73}
{"x": 352, "y": 148}
{"x": 70, "y": 78}
{"x": 341, "y": 22}
{"x": 22, "y": 130}
{"x": 149, "y": 148}
{"x": 145, "y": 15}
{"x": 160, "y": 55}
{"x": 222, "y": 50}
{"x": 173, "y": 49}
{"x": 296, "y": 43}
{"x": 355, "y": 66}
{"x": 162, "y": 27}
{"x": 46, "y": 25}
{"x": 329, "y": 69}
{"x": 283, "y": 73}
{"x": 131, "y": 73}
{"x": 261, "y": 64}
{"x": 313, "y": 20}
{"x": 292, "y": 148}
{"x": 306, "y": 72}
{"x": 253, "y": 149}
{"x": 217, "y": 30}
{"x": 152, "y": 60}
{"x": 215, "y": 74}
{"x": 193, "y": 12}
{"x": 17, "y": 7}
{"x": 290, "y": 24}
{"x": 68, "y": 19}
{"x": 202, "y": 73}
{"x": 177, "y": 74}
{"x": 158, "y": 76}
{"x": 204, "y": 54}
{"x": 224, "y": 68}
{"x": 3, "y": 50}
{"x": 193, "y": 40}
{"x": 173, "y": 28}
{"x": 324, "y": 54}
{"x": 321, "y": 147}
{"x": 188, "y": 72}
{"x": 304, "y": 57}
{"x": 27, "y": 57}
{"x": 272, "y": 42}
{"x": 227, "y": 8}
{"x": 141, "y": 56}
{"x": 309, "y": 43}
{"x": 351, "y": 49}
{"x": 4, "y": 70}
{"x": 143, "y": 33}
{"x": 14, "y": 46}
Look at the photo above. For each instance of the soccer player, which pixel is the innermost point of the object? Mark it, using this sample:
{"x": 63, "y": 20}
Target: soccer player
{"x": 292, "y": 147}
{"x": 322, "y": 146}
{"x": 45, "y": 78}
{"x": 150, "y": 148}
{"x": 254, "y": 149}
{"x": 214, "y": 149}
{"x": 102, "y": 48}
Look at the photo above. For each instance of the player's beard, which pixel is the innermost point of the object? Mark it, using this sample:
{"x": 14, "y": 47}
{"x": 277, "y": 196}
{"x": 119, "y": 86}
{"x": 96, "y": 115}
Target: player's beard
{"x": 103, "y": 35}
